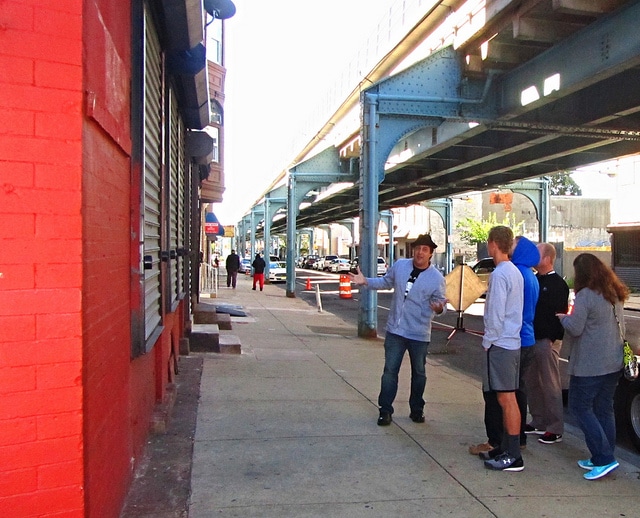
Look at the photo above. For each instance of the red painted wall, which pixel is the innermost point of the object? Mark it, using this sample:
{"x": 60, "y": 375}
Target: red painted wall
{"x": 120, "y": 394}
{"x": 76, "y": 410}
{"x": 41, "y": 433}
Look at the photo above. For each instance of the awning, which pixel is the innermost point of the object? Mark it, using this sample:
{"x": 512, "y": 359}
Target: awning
{"x": 212, "y": 227}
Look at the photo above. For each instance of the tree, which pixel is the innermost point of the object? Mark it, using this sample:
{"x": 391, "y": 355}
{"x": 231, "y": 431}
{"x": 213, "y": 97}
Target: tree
{"x": 475, "y": 232}
{"x": 562, "y": 184}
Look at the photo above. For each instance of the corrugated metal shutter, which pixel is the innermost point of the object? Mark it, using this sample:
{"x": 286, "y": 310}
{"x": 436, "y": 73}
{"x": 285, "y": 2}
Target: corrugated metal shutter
{"x": 152, "y": 175}
{"x": 183, "y": 204}
{"x": 176, "y": 194}
{"x": 629, "y": 275}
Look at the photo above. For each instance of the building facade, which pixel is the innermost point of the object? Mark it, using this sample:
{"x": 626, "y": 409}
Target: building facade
{"x": 103, "y": 160}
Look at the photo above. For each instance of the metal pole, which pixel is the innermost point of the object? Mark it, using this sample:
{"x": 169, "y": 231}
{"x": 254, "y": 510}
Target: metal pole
{"x": 292, "y": 212}
{"x": 368, "y": 317}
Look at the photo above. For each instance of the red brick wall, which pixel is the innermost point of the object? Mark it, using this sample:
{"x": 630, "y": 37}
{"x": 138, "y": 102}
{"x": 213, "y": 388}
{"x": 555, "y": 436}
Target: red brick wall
{"x": 120, "y": 394}
{"x": 106, "y": 225}
{"x": 76, "y": 409}
{"x": 41, "y": 423}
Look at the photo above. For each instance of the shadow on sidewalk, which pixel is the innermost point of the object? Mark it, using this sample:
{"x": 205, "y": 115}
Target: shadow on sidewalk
{"x": 162, "y": 483}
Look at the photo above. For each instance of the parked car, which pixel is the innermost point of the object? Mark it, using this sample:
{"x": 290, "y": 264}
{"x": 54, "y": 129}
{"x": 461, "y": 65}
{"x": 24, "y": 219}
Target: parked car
{"x": 277, "y": 271}
{"x": 245, "y": 266}
{"x": 310, "y": 261}
{"x": 483, "y": 269}
{"x": 381, "y": 267}
{"x": 339, "y": 265}
{"x": 323, "y": 263}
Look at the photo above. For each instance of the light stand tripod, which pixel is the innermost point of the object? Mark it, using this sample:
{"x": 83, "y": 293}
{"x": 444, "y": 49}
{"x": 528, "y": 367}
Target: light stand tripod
{"x": 462, "y": 292}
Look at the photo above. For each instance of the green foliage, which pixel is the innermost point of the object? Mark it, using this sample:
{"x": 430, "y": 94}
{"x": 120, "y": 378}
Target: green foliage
{"x": 475, "y": 232}
{"x": 562, "y": 184}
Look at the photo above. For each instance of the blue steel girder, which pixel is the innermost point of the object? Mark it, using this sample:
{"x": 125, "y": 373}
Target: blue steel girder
{"x": 244, "y": 225}
{"x": 321, "y": 169}
{"x": 538, "y": 193}
{"x": 318, "y": 171}
{"x": 387, "y": 217}
{"x": 349, "y": 224}
{"x": 427, "y": 95}
{"x": 257, "y": 214}
{"x": 601, "y": 50}
{"x": 273, "y": 201}
{"x": 444, "y": 208}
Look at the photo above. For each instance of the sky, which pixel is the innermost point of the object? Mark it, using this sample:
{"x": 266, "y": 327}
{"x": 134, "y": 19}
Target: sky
{"x": 281, "y": 56}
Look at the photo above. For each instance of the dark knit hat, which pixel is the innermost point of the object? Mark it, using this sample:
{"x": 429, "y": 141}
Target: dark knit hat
{"x": 424, "y": 239}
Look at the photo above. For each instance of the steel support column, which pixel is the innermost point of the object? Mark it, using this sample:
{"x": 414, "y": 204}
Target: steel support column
{"x": 321, "y": 169}
{"x": 370, "y": 172}
{"x": 387, "y": 217}
{"x": 444, "y": 208}
{"x": 538, "y": 192}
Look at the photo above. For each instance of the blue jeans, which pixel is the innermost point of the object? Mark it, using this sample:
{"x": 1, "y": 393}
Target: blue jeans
{"x": 591, "y": 401}
{"x": 394, "y": 349}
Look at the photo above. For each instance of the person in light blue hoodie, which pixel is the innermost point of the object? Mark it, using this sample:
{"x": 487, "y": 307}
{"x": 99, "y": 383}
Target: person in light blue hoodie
{"x": 419, "y": 293}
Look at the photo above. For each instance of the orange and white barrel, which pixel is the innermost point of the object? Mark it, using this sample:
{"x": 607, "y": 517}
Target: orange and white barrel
{"x": 345, "y": 287}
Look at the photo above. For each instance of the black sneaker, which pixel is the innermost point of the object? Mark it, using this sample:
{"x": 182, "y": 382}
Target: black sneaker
{"x": 417, "y": 416}
{"x": 505, "y": 462}
{"x": 491, "y": 454}
{"x": 528, "y": 429}
{"x": 384, "y": 419}
{"x": 550, "y": 438}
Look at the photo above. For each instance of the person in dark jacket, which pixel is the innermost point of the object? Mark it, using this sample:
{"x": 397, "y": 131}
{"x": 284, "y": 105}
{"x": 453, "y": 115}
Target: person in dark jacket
{"x": 544, "y": 387}
{"x": 258, "y": 271}
{"x": 233, "y": 265}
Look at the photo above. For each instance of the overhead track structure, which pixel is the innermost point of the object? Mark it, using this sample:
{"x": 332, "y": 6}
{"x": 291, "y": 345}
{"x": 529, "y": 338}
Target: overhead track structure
{"x": 546, "y": 86}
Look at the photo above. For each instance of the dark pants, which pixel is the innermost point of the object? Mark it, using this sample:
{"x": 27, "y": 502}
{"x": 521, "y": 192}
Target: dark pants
{"x": 591, "y": 401}
{"x": 394, "y": 349}
{"x": 232, "y": 275}
{"x": 493, "y": 411}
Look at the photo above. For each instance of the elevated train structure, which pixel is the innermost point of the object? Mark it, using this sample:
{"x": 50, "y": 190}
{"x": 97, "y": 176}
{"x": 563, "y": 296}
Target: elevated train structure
{"x": 475, "y": 95}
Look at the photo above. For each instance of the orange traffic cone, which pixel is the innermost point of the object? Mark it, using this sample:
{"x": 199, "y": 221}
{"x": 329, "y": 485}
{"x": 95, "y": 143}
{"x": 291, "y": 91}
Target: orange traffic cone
{"x": 308, "y": 286}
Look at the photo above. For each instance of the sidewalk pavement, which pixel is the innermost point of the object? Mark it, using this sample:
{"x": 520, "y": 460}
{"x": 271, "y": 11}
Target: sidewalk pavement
{"x": 633, "y": 302}
{"x": 288, "y": 429}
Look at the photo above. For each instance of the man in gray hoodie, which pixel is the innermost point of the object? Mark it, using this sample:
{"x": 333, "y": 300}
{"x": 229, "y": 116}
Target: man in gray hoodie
{"x": 419, "y": 293}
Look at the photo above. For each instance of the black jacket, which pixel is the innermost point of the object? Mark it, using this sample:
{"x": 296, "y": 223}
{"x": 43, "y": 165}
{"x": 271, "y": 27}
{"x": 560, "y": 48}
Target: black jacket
{"x": 553, "y": 298}
{"x": 233, "y": 263}
{"x": 258, "y": 265}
